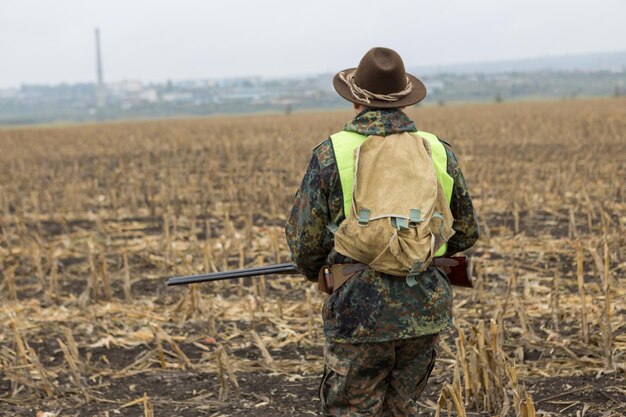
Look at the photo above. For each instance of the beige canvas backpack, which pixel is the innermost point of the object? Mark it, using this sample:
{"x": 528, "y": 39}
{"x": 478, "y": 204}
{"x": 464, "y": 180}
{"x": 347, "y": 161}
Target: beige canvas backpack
{"x": 399, "y": 216}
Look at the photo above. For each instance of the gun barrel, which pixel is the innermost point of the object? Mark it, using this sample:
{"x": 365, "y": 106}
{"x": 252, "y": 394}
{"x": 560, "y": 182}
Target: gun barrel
{"x": 286, "y": 268}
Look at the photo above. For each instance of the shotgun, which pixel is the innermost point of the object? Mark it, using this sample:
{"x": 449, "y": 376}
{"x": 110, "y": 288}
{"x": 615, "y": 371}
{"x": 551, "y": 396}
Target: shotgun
{"x": 456, "y": 268}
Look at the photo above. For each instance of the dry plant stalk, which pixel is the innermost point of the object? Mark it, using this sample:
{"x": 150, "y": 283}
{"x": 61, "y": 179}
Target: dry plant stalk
{"x": 605, "y": 312}
{"x": 157, "y": 339}
{"x": 41, "y": 278}
{"x": 104, "y": 276}
{"x": 572, "y": 231}
{"x": 500, "y": 313}
{"x": 41, "y": 371}
{"x": 228, "y": 379}
{"x": 554, "y": 301}
{"x": 527, "y": 406}
{"x": 527, "y": 331}
{"x": 447, "y": 395}
{"x": 127, "y": 283}
{"x": 22, "y": 363}
{"x": 184, "y": 359}
{"x": 72, "y": 346}
{"x": 75, "y": 372}
{"x": 29, "y": 361}
{"x": 489, "y": 377}
{"x": 54, "y": 280}
{"x": 462, "y": 358}
{"x": 9, "y": 280}
{"x": 252, "y": 304}
{"x": 91, "y": 288}
{"x": 19, "y": 343}
{"x": 267, "y": 358}
{"x": 516, "y": 218}
{"x": 522, "y": 401}
{"x": 584, "y": 326}
{"x": 148, "y": 408}
{"x": 212, "y": 325}
{"x": 167, "y": 239}
{"x": 195, "y": 302}
{"x": 208, "y": 249}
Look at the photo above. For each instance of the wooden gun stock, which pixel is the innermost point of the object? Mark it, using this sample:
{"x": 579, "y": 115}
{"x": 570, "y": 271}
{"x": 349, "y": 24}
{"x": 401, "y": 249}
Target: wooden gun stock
{"x": 458, "y": 269}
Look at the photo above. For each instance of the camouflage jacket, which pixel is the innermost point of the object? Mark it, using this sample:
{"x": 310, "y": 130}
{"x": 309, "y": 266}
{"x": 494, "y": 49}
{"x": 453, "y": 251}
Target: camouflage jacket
{"x": 372, "y": 307}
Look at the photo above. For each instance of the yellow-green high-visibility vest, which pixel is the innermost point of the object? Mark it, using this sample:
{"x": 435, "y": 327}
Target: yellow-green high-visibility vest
{"x": 344, "y": 144}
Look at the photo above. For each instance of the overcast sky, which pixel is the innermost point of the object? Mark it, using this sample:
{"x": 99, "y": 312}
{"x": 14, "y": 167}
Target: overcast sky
{"x": 45, "y": 41}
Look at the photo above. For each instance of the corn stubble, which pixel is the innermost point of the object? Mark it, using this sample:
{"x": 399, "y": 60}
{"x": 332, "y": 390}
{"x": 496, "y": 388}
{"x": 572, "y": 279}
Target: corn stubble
{"x": 94, "y": 217}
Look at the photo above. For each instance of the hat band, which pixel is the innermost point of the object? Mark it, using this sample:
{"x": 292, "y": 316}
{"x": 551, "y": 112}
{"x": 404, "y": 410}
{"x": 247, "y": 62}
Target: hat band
{"x": 366, "y": 96}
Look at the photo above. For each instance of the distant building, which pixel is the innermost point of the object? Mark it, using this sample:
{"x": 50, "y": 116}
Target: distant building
{"x": 126, "y": 87}
{"x": 8, "y": 93}
{"x": 150, "y": 96}
{"x": 177, "y": 97}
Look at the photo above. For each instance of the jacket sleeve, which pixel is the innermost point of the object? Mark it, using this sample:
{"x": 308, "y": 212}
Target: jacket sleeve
{"x": 306, "y": 226}
{"x": 465, "y": 222}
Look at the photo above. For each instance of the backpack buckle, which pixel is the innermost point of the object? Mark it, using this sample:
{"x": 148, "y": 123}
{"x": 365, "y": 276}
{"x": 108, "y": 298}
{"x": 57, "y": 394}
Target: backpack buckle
{"x": 364, "y": 217}
{"x": 415, "y": 217}
{"x": 400, "y": 223}
{"x": 414, "y": 273}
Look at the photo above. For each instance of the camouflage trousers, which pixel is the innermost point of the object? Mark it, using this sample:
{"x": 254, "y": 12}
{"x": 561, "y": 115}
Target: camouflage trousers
{"x": 376, "y": 379}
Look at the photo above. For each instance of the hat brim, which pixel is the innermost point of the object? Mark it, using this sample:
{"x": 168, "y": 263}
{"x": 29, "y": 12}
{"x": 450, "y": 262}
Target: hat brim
{"x": 417, "y": 94}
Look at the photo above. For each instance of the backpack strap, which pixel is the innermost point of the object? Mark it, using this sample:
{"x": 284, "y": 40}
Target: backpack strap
{"x": 344, "y": 144}
{"x": 440, "y": 161}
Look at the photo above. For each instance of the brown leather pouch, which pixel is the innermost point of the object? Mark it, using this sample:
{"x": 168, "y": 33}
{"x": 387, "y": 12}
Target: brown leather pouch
{"x": 329, "y": 279}
{"x": 325, "y": 280}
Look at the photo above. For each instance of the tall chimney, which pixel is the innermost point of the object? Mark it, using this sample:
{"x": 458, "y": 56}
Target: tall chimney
{"x": 100, "y": 93}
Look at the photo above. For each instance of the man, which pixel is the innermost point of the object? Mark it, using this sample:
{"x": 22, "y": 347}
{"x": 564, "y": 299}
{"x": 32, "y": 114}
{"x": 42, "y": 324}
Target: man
{"x": 380, "y": 332}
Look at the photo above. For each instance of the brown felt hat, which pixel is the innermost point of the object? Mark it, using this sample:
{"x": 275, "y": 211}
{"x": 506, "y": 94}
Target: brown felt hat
{"x": 380, "y": 81}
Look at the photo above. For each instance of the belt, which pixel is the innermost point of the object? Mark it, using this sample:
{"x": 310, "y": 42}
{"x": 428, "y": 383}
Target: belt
{"x": 333, "y": 277}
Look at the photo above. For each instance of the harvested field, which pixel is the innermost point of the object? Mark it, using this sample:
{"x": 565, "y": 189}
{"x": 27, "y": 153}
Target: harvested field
{"x": 94, "y": 218}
